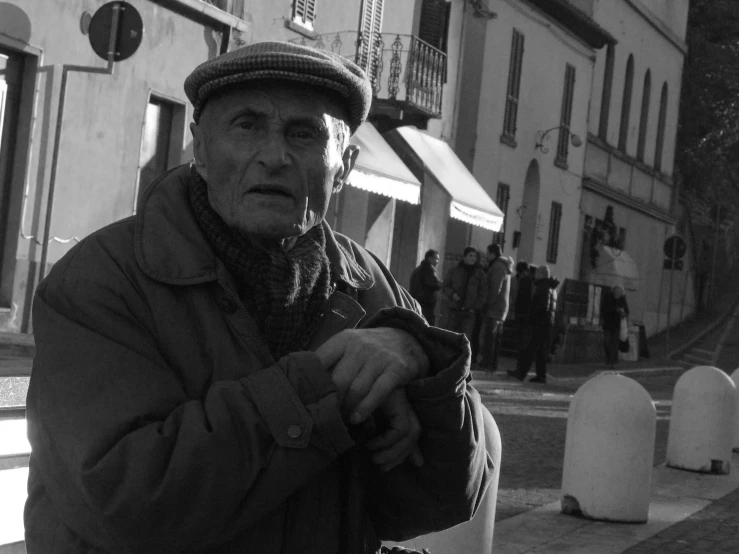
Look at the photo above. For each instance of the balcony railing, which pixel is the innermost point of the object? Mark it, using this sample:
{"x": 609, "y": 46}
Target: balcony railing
{"x": 402, "y": 68}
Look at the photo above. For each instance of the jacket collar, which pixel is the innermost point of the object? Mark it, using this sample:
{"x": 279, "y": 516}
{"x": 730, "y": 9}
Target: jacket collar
{"x": 171, "y": 248}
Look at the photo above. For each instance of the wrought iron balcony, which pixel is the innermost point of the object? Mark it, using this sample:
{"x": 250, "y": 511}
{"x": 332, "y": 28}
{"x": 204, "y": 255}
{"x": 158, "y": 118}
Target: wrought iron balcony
{"x": 405, "y": 71}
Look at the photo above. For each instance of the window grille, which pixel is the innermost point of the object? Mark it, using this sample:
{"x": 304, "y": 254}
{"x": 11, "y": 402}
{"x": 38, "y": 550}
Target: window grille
{"x": 661, "y": 129}
{"x": 554, "y": 224}
{"x": 566, "y": 115}
{"x": 644, "y": 118}
{"x": 502, "y": 198}
{"x": 304, "y": 12}
{"x": 514, "y": 86}
{"x": 626, "y": 104}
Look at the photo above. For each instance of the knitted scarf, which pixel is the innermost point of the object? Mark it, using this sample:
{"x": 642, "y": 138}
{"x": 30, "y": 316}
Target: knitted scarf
{"x": 285, "y": 292}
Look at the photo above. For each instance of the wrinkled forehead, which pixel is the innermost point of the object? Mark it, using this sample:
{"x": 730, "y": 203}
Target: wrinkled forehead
{"x": 278, "y": 99}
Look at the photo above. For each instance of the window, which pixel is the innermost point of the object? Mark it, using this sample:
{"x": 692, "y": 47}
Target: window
{"x": 644, "y": 118}
{"x": 304, "y": 13}
{"x": 514, "y": 88}
{"x": 554, "y": 223}
{"x": 565, "y": 117}
{"x": 369, "y": 44}
{"x": 626, "y": 104}
{"x": 234, "y": 7}
{"x": 161, "y": 142}
{"x": 605, "y": 103}
{"x": 502, "y": 198}
{"x": 661, "y": 129}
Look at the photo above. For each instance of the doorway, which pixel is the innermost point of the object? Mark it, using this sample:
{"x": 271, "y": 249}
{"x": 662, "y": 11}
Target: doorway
{"x": 529, "y": 211}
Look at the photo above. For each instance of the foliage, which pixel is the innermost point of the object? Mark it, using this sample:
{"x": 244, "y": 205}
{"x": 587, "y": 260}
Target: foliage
{"x": 708, "y": 135}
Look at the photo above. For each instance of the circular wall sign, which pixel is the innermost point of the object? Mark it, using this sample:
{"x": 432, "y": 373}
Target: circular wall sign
{"x": 130, "y": 30}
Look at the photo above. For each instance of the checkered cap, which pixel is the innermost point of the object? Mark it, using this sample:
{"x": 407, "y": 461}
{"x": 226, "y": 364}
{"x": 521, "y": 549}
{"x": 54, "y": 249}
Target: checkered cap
{"x": 283, "y": 60}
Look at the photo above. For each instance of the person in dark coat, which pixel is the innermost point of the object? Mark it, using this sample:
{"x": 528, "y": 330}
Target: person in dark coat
{"x": 496, "y": 306}
{"x": 541, "y": 320}
{"x": 425, "y": 285}
{"x": 463, "y": 294}
{"x": 209, "y": 371}
{"x": 522, "y": 290}
{"x": 613, "y": 310}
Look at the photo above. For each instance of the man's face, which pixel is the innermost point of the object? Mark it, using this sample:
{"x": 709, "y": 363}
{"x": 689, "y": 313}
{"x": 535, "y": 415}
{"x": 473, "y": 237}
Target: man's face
{"x": 470, "y": 258}
{"x": 491, "y": 256}
{"x": 272, "y": 157}
{"x": 434, "y": 260}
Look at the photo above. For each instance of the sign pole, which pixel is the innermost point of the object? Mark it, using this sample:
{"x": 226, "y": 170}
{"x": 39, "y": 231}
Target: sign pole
{"x": 669, "y": 297}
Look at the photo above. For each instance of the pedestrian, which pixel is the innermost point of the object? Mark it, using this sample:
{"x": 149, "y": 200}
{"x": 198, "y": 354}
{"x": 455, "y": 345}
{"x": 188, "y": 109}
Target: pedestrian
{"x": 207, "y": 369}
{"x": 425, "y": 285}
{"x": 463, "y": 292}
{"x": 614, "y": 309}
{"x": 541, "y": 321}
{"x": 522, "y": 290}
{"x": 495, "y": 311}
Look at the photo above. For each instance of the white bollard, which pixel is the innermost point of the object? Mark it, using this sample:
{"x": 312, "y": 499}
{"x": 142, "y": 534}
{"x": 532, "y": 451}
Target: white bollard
{"x": 609, "y": 450}
{"x": 702, "y": 421}
{"x": 476, "y": 535}
{"x": 735, "y": 378}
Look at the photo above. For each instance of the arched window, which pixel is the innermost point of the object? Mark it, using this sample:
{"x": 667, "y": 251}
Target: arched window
{"x": 661, "y": 129}
{"x": 626, "y": 104}
{"x": 644, "y": 117}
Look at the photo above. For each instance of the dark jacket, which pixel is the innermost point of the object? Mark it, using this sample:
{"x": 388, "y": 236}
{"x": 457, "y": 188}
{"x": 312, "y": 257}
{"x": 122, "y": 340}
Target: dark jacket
{"x": 424, "y": 284}
{"x": 524, "y": 291}
{"x": 544, "y": 302}
{"x": 498, "y": 278}
{"x": 611, "y": 319}
{"x": 160, "y": 422}
{"x": 470, "y": 285}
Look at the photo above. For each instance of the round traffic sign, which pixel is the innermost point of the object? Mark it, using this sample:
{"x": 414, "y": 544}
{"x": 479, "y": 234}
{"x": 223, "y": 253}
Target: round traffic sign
{"x": 675, "y": 247}
{"x": 130, "y": 30}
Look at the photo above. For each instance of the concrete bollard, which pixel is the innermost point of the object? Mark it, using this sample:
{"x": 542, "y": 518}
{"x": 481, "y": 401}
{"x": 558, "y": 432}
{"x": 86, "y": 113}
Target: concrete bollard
{"x": 702, "y": 421}
{"x": 609, "y": 450}
{"x": 735, "y": 378}
{"x": 475, "y": 536}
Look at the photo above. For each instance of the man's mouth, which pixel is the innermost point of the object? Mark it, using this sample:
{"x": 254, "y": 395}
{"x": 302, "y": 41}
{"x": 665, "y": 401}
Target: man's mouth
{"x": 271, "y": 191}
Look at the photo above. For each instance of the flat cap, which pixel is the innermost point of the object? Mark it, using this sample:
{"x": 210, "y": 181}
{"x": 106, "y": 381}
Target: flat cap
{"x": 284, "y": 61}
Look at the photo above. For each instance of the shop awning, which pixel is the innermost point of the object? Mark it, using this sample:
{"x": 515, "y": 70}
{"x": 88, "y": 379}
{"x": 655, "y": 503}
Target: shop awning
{"x": 470, "y": 203}
{"x": 380, "y": 170}
{"x": 616, "y": 267}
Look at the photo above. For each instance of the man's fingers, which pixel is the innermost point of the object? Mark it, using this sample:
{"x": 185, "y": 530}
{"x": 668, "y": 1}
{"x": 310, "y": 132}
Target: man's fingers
{"x": 381, "y": 388}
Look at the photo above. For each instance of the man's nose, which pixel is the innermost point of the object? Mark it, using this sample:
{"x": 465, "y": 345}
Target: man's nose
{"x": 274, "y": 152}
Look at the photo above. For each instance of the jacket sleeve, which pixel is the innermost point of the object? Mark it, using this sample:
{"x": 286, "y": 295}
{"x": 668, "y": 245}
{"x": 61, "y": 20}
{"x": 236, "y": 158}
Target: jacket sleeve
{"x": 448, "y": 488}
{"x": 448, "y": 285}
{"x": 132, "y": 458}
{"x": 431, "y": 282}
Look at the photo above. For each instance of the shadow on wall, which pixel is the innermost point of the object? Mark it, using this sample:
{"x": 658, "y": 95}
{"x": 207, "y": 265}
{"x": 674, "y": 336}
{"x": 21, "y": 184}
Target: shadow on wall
{"x": 14, "y": 22}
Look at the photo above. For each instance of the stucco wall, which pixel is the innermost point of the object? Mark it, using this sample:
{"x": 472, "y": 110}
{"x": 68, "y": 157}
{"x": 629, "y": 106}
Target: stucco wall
{"x": 547, "y": 50}
{"x": 652, "y": 51}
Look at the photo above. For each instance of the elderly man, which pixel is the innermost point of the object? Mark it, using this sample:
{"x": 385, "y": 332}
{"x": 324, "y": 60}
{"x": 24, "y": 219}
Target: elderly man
{"x": 209, "y": 371}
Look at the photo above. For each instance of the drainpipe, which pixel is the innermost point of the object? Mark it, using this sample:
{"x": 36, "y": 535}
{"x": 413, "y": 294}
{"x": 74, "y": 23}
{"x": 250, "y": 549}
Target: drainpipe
{"x": 58, "y": 133}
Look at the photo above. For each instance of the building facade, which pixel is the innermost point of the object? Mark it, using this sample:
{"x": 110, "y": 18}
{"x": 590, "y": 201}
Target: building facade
{"x": 84, "y": 133}
{"x": 606, "y": 75}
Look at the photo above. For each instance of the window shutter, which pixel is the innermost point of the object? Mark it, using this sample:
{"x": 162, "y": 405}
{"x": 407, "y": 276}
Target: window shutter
{"x": 502, "y": 198}
{"x": 370, "y": 32}
{"x": 565, "y": 118}
{"x": 623, "y": 131}
{"x": 433, "y": 24}
{"x": 644, "y": 117}
{"x": 304, "y": 12}
{"x": 605, "y": 103}
{"x": 661, "y": 128}
{"x": 514, "y": 85}
{"x": 554, "y": 224}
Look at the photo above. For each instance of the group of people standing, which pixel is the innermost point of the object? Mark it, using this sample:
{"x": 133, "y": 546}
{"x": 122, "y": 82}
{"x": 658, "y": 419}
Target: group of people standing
{"x": 476, "y": 301}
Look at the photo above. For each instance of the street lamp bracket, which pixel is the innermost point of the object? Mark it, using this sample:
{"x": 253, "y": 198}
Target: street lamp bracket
{"x": 542, "y": 136}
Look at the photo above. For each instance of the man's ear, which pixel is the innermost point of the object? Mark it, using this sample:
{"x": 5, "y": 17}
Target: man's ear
{"x": 198, "y": 150}
{"x": 348, "y": 159}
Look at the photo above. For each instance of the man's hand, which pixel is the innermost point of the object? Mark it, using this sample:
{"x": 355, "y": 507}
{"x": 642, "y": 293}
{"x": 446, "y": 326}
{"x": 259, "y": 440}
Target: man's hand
{"x": 367, "y": 365}
{"x": 400, "y": 440}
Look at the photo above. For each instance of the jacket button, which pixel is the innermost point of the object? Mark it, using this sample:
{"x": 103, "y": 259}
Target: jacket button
{"x": 294, "y": 431}
{"x": 227, "y": 304}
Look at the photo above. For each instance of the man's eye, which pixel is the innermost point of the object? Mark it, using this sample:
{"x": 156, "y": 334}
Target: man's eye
{"x": 247, "y": 125}
{"x": 304, "y": 133}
